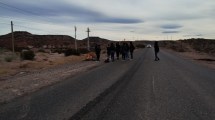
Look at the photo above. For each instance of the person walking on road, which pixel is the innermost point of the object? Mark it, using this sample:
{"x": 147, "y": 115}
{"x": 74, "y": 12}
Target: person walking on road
{"x": 156, "y": 48}
{"x": 127, "y": 51}
{"x": 108, "y": 53}
{"x": 118, "y": 48}
{"x": 131, "y": 48}
{"x": 98, "y": 52}
{"x": 123, "y": 51}
{"x": 112, "y": 51}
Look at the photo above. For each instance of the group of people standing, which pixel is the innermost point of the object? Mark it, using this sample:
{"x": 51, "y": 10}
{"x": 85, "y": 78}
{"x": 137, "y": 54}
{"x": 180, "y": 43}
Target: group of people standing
{"x": 125, "y": 49}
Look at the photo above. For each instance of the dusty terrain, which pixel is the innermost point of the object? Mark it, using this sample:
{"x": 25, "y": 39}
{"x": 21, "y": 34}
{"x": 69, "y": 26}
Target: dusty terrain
{"x": 198, "y": 57}
{"x": 18, "y": 78}
{"x": 202, "y": 58}
{"x": 201, "y": 51}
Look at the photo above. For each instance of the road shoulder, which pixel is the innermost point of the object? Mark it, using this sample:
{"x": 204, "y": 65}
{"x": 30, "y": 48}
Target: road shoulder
{"x": 25, "y": 83}
{"x": 199, "y": 58}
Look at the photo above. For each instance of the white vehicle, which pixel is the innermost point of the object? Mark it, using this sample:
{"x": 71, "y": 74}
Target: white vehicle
{"x": 149, "y": 46}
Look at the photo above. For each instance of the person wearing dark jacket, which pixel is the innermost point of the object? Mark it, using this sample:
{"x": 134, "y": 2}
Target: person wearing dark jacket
{"x": 108, "y": 52}
{"x": 112, "y": 51}
{"x": 123, "y": 51}
{"x": 97, "y": 51}
{"x": 131, "y": 48}
{"x": 126, "y": 51}
{"x": 118, "y": 48}
{"x": 156, "y": 48}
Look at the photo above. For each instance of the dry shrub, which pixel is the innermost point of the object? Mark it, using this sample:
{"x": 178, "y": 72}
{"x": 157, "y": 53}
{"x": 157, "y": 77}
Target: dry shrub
{"x": 51, "y": 63}
{"x": 24, "y": 65}
{"x": 27, "y": 55}
{"x": 69, "y": 52}
{"x": 202, "y": 45}
{"x": 3, "y": 71}
{"x": 8, "y": 58}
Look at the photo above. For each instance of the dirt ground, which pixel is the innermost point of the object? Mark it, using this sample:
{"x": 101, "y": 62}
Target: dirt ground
{"x": 18, "y": 78}
{"x": 198, "y": 57}
{"x": 42, "y": 61}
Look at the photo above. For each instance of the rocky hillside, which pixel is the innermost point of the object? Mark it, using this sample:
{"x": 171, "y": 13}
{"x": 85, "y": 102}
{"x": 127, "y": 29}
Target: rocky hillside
{"x": 25, "y": 39}
{"x": 199, "y": 45}
{"x": 93, "y": 40}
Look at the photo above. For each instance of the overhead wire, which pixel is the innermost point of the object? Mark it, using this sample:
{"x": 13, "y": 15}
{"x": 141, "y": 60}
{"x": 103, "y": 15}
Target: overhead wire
{"x": 17, "y": 8}
{"x": 4, "y": 23}
{"x": 22, "y": 11}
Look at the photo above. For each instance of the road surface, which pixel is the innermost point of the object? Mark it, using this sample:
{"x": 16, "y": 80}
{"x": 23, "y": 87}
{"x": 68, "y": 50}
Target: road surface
{"x": 141, "y": 89}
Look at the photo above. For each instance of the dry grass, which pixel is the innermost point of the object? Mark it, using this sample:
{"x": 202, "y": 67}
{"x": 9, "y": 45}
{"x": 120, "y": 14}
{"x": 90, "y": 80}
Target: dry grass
{"x": 196, "y": 57}
{"x": 3, "y": 71}
{"x": 42, "y": 61}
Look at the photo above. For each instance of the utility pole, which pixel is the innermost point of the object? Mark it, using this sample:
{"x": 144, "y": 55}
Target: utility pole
{"x": 75, "y": 39}
{"x": 88, "y": 41}
{"x": 12, "y": 36}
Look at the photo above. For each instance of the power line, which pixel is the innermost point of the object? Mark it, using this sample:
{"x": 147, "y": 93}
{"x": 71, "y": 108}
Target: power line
{"x": 22, "y": 11}
{"x": 4, "y": 23}
{"x": 10, "y": 6}
{"x": 27, "y": 20}
{"x": 31, "y": 28}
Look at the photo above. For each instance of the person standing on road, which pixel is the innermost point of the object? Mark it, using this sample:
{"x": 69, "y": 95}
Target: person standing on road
{"x": 123, "y": 51}
{"x": 112, "y": 51}
{"x": 127, "y": 51}
{"x": 156, "y": 48}
{"x": 131, "y": 48}
{"x": 97, "y": 51}
{"x": 108, "y": 52}
{"x": 118, "y": 48}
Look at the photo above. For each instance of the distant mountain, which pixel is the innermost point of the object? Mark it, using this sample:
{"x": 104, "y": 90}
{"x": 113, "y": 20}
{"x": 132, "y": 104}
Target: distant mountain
{"x": 95, "y": 40}
{"x": 24, "y": 39}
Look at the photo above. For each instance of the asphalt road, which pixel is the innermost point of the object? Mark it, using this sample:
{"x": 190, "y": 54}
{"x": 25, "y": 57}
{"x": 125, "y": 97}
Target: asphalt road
{"x": 142, "y": 89}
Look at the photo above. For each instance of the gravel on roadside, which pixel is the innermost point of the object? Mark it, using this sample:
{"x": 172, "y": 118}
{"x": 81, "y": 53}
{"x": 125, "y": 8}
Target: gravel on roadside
{"x": 27, "y": 82}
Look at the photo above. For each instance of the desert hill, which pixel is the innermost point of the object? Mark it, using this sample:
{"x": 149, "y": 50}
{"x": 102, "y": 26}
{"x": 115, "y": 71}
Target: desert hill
{"x": 197, "y": 44}
{"x": 25, "y": 39}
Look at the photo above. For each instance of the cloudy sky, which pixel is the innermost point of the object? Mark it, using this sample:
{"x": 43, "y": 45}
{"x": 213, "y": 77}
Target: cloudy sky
{"x": 112, "y": 19}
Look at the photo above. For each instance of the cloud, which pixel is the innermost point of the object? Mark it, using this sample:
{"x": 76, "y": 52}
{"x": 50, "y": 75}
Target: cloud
{"x": 199, "y": 35}
{"x": 171, "y": 26}
{"x": 193, "y": 35}
{"x": 106, "y": 19}
{"x": 167, "y": 32}
{"x": 56, "y": 10}
{"x": 115, "y": 18}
